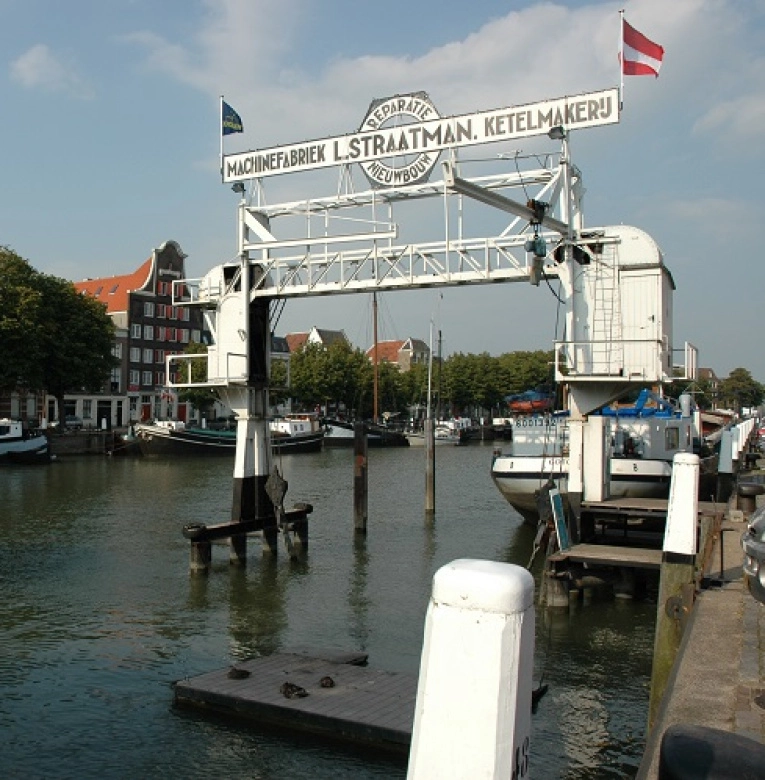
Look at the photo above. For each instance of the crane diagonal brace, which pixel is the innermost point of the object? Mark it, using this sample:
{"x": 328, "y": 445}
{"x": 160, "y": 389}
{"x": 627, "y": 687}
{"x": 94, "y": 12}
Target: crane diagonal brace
{"x": 490, "y": 198}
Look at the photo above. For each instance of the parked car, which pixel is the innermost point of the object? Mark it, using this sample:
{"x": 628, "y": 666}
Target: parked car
{"x": 753, "y": 542}
{"x": 71, "y": 423}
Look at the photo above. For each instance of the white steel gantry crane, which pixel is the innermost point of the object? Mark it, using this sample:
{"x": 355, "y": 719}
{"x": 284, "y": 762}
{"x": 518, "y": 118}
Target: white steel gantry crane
{"x": 616, "y": 291}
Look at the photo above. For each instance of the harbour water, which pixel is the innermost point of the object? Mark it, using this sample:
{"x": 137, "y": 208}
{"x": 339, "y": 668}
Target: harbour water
{"x": 99, "y": 615}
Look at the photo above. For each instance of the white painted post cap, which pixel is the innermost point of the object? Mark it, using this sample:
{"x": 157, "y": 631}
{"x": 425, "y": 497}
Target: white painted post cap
{"x": 466, "y": 583}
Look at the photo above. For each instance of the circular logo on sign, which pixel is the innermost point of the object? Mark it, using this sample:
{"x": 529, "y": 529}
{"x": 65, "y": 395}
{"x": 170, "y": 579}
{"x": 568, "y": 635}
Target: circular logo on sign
{"x": 400, "y": 162}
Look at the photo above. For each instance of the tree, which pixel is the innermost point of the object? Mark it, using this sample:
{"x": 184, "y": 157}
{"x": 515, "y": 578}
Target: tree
{"x": 523, "y": 370}
{"x": 55, "y": 339}
{"x": 278, "y": 389}
{"x": 20, "y": 312}
{"x": 78, "y": 336}
{"x": 740, "y": 390}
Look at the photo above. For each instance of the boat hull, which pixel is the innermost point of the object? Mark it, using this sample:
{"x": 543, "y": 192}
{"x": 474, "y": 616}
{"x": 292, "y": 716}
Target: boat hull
{"x": 519, "y": 479}
{"x": 192, "y": 442}
{"x": 32, "y": 450}
{"x": 418, "y": 440}
{"x": 340, "y": 433}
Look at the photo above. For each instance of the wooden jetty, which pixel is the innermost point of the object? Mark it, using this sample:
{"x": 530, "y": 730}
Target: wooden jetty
{"x": 623, "y": 541}
{"x": 332, "y": 696}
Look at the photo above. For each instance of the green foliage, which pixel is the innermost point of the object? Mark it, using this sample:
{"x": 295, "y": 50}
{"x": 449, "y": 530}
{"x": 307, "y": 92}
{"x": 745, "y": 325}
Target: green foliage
{"x": 740, "y": 390}
{"x": 278, "y": 382}
{"x": 462, "y": 384}
{"x": 20, "y": 313}
{"x": 54, "y": 338}
{"x": 330, "y": 375}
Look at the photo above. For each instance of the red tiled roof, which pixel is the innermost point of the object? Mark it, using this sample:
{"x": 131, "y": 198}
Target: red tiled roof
{"x": 387, "y": 351}
{"x": 113, "y": 290}
{"x": 296, "y": 341}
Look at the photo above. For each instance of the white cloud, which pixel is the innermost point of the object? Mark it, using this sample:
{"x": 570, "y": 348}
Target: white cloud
{"x": 248, "y": 51}
{"x": 39, "y": 68}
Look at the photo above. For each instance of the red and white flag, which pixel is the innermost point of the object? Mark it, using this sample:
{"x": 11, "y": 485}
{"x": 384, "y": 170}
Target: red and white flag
{"x": 639, "y": 56}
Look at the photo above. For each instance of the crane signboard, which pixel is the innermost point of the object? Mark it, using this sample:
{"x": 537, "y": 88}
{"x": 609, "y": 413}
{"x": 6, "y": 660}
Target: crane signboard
{"x": 423, "y": 138}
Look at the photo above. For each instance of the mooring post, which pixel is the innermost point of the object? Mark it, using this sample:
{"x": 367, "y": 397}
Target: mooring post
{"x": 238, "y": 550}
{"x": 430, "y": 468}
{"x": 473, "y": 712}
{"x": 725, "y": 477}
{"x": 201, "y": 557}
{"x": 360, "y": 478}
{"x": 677, "y": 586}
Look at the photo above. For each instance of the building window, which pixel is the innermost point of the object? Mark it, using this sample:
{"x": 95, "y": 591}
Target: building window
{"x": 171, "y": 334}
{"x": 196, "y": 335}
{"x": 184, "y": 335}
{"x": 161, "y": 286}
{"x": 87, "y": 409}
{"x": 146, "y": 378}
{"x": 159, "y": 355}
{"x": 135, "y": 355}
{"x": 135, "y": 377}
{"x": 148, "y": 355}
{"x": 117, "y": 350}
{"x": 115, "y": 381}
{"x": 148, "y": 332}
{"x": 148, "y": 309}
{"x": 135, "y": 331}
{"x": 160, "y": 376}
{"x": 161, "y": 310}
{"x": 184, "y": 313}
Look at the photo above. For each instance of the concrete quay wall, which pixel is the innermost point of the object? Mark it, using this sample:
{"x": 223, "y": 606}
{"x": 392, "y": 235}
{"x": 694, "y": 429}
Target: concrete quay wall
{"x": 718, "y": 679}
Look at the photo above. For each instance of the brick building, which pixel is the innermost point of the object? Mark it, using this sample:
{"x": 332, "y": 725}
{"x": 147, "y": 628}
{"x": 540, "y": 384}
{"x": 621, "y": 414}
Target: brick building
{"x": 148, "y": 329}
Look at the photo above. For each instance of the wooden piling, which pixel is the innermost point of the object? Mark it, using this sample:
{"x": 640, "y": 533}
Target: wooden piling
{"x": 238, "y": 550}
{"x": 360, "y": 480}
{"x": 201, "y": 557}
{"x": 270, "y": 540}
{"x": 430, "y": 468}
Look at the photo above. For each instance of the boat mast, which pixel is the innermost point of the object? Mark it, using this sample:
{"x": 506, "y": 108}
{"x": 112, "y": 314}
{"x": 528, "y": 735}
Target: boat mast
{"x": 438, "y": 406}
{"x": 374, "y": 357}
{"x": 430, "y": 371}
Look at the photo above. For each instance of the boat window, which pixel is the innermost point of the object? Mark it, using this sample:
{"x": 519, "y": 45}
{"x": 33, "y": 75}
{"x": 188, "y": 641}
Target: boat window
{"x": 672, "y": 438}
{"x": 5, "y": 430}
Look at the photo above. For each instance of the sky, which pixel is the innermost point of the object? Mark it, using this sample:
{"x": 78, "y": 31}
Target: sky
{"x": 110, "y": 139}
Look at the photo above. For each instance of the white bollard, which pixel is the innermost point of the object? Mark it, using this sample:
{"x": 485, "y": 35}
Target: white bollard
{"x": 473, "y": 713}
{"x": 683, "y": 506}
{"x": 725, "y": 462}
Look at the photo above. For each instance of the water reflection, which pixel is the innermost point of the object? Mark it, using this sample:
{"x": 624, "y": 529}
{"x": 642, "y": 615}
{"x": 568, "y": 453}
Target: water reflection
{"x": 100, "y": 614}
{"x": 257, "y": 612}
{"x": 358, "y": 598}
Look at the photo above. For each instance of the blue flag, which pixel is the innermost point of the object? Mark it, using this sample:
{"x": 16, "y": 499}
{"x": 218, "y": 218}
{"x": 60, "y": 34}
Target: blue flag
{"x": 231, "y": 122}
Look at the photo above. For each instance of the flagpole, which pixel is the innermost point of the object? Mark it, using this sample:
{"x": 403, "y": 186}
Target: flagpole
{"x": 220, "y": 133}
{"x": 621, "y": 59}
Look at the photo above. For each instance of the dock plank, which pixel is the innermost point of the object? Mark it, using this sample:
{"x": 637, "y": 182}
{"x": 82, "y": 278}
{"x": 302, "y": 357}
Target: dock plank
{"x": 611, "y": 555}
{"x": 365, "y": 706}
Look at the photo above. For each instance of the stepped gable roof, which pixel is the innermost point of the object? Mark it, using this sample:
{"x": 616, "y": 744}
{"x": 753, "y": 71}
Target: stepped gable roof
{"x": 387, "y": 351}
{"x": 113, "y": 290}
